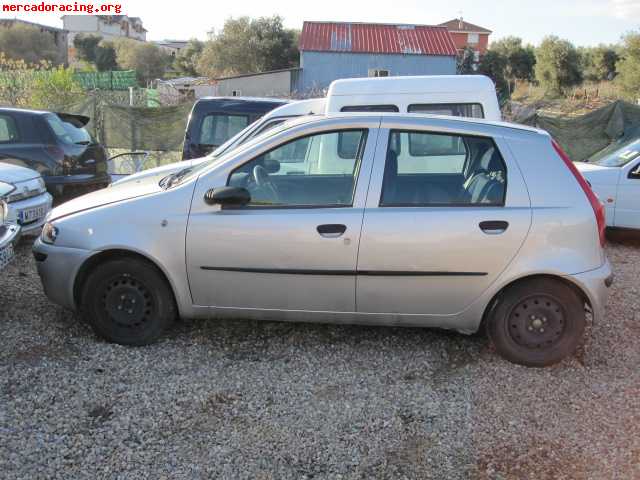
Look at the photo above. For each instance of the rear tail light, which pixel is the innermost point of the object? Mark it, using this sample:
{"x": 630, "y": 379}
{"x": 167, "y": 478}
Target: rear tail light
{"x": 596, "y": 204}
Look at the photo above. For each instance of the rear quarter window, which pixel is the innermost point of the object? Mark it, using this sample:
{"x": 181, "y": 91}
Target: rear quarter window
{"x": 8, "y": 129}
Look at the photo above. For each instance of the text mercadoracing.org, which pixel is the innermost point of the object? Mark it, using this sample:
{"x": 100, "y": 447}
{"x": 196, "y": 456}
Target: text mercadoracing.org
{"x": 68, "y": 8}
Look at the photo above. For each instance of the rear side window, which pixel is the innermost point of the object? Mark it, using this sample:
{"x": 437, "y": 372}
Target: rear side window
{"x": 69, "y": 130}
{"x": 217, "y": 128}
{"x": 370, "y": 108}
{"x": 471, "y": 110}
{"x": 8, "y": 129}
{"x": 435, "y": 169}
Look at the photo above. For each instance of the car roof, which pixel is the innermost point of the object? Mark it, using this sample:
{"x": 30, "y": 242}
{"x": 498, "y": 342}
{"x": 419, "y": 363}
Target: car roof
{"x": 418, "y": 84}
{"x": 23, "y": 110}
{"x": 248, "y": 99}
{"x": 447, "y": 118}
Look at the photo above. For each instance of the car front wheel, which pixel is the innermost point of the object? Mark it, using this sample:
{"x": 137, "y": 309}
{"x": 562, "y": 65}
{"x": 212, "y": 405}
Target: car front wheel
{"x": 537, "y": 322}
{"x": 127, "y": 301}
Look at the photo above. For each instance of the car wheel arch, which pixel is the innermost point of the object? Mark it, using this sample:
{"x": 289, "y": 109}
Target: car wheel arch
{"x": 496, "y": 298}
{"x": 105, "y": 255}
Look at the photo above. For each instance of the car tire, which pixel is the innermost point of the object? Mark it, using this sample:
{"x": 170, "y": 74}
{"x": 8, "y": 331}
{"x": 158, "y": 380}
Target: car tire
{"x": 127, "y": 301}
{"x": 537, "y": 322}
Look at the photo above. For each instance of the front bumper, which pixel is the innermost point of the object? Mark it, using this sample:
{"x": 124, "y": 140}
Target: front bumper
{"x": 33, "y": 226}
{"x": 595, "y": 284}
{"x": 8, "y": 236}
{"x": 58, "y": 268}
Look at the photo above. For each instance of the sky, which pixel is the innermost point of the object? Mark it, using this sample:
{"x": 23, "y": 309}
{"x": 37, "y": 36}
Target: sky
{"x": 583, "y": 22}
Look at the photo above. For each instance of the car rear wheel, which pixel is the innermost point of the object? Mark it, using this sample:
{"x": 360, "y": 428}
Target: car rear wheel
{"x": 537, "y": 322}
{"x": 127, "y": 301}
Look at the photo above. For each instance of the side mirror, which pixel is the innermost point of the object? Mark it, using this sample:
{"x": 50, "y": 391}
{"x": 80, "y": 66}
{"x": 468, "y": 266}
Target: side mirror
{"x": 231, "y": 196}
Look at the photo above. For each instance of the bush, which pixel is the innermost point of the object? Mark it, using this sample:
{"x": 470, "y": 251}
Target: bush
{"x": 629, "y": 66}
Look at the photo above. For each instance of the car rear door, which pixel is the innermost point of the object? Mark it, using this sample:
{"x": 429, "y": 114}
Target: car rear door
{"x": 446, "y": 214}
{"x": 294, "y": 247}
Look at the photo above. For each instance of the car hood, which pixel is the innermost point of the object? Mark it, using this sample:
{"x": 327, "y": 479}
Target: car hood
{"x": 105, "y": 196}
{"x": 14, "y": 174}
{"x": 597, "y": 173}
{"x": 160, "y": 172}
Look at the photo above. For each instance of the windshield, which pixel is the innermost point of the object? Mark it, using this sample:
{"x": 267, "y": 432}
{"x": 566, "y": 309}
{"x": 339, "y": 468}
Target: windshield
{"x": 617, "y": 155}
{"x": 69, "y": 130}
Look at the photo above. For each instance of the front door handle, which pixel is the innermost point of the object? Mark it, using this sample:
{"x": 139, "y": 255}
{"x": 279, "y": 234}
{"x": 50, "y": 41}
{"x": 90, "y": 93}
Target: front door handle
{"x": 331, "y": 230}
{"x": 494, "y": 227}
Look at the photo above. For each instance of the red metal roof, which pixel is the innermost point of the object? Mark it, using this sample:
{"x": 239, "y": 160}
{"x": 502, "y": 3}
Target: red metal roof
{"x": 376, "y": 38}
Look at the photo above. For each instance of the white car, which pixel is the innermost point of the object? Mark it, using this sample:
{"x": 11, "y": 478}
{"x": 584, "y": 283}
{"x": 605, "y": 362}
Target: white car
{"x": 8, "y": 231}
{"x": 29, "y": 202}
{"x": 614, "y": 174}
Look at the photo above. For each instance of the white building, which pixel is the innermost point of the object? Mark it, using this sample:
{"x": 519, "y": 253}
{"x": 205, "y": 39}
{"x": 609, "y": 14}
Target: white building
{"x": 109, "y": 27}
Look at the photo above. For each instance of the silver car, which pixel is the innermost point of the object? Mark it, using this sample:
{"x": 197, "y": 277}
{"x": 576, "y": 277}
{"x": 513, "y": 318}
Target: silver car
{"x": 381, "y": 219}
{"x": 8, "y": 231}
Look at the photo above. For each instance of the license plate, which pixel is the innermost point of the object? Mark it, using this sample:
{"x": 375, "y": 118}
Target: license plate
{"x": 6, "y": 255}
{"x": 31, "y": 214}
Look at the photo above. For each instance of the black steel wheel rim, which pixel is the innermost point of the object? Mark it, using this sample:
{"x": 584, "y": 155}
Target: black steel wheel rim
{"x": 538, "y": 322}
{"x": 127, "y": 301}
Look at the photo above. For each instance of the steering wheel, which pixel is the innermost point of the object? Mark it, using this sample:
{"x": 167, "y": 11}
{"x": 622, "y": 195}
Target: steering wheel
{"x": 264, "y": 183}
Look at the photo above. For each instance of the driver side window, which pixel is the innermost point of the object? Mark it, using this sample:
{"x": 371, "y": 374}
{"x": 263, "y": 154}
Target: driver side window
{"x": 314, "y": 171}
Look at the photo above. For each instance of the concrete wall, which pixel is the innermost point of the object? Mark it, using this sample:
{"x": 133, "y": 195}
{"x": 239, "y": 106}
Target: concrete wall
{"x": 271, "y": 84}
{"x": 319, "y": 69}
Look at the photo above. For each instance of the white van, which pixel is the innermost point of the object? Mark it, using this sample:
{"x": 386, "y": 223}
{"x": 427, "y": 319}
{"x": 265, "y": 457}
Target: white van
{"x": 452, "y": 95}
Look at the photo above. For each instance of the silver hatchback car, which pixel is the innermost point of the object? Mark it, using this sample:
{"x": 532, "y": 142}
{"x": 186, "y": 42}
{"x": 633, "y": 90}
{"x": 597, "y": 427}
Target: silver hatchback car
{"x": 382, "y": 219}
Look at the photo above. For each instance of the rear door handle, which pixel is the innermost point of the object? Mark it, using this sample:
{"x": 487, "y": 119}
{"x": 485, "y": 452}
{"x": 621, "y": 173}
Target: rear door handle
{"x": 494, "y": 227}
{"x": 331, "y": 230}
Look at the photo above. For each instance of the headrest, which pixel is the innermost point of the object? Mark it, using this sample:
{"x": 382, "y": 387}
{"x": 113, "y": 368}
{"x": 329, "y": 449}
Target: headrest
{"x": 491, "y": 161}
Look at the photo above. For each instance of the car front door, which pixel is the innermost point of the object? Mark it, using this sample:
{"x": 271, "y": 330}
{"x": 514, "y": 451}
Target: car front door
{"x": 294, "y": 246}
{"x": 440, "y": 224}
{"x": 628, "y": 199}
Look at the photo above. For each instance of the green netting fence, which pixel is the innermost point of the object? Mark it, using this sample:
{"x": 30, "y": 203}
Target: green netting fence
{"x": 585, "y": 135}
{"x": 111, "y": 80}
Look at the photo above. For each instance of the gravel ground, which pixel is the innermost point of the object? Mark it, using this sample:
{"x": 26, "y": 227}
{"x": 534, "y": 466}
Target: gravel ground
{"x": 275, "y": 400}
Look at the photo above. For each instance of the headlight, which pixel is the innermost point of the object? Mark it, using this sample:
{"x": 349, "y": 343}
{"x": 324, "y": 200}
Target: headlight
{"x": 49, "y": 233}
{"x": 41, "y": 184}
{"x": 6, "y": 189}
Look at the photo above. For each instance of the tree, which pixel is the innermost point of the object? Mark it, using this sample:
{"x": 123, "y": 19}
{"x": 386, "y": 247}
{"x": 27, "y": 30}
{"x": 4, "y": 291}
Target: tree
{"x": 85, "y": 46}
{"x": 24, "y": 42}
{"x": 599, "y": 63}
{"x": 248, "y": 46}
{"x": 628, "y": 66}
{"x": 520, "y": 60}
{"x": 493, "y": 65}
{"x": 93, "y": 49}
{"x": 186, "y": 60}
{"x": 106, "y": 57}
{"x": 465, "y": 61}
{"x": 557, "y": 64}
{"x": 147, "y": 59}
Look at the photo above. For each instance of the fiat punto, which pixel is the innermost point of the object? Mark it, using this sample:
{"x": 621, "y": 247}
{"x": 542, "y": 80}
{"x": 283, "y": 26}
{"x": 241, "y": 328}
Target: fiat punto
{"x": 383, "y": 219}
